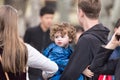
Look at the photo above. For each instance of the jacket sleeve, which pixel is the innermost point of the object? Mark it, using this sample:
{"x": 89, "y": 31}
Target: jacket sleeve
{"x": 79, "y": 60}
{"x": 101, "y": 63}
{"x": 37, "y": 60}
{"x": 47, "y": 51}
{"x": 62, "y": 63}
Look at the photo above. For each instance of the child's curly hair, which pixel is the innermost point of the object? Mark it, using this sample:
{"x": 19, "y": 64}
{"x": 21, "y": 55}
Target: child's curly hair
{"x": 63, "y": 28}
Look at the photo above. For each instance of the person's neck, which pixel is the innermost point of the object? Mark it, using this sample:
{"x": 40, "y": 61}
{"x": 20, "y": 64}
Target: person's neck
{"x": 44, "y": 29}
{"x": 90, "y": 23}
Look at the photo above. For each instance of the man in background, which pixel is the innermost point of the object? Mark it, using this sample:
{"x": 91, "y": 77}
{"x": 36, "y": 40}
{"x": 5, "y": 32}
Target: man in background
{"x": 38, "y": 37}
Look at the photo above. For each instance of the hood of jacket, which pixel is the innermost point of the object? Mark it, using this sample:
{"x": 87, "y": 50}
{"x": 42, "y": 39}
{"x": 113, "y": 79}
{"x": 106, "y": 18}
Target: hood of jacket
{"x": 100, "y": 31}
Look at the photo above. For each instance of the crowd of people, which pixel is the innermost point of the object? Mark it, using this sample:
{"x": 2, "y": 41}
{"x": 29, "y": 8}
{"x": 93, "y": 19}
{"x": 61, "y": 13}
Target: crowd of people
{"x": 59, "y": 51}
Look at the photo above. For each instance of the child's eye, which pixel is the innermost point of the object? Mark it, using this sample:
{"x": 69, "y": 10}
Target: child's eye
{"x": 56, "y": 36}
{"x": 62, "y": 36}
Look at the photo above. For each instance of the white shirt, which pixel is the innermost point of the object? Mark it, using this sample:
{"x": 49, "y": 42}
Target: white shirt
{"x": 37, "y": 60}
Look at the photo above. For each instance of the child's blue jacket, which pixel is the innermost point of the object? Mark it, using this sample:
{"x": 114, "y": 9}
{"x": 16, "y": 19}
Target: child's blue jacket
{"x": 61, "y": 56}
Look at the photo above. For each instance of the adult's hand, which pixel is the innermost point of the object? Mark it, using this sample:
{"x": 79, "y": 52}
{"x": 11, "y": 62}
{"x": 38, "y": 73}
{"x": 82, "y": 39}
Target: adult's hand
{"x": 115, "y": 41}
{"x": 88, "y": 73}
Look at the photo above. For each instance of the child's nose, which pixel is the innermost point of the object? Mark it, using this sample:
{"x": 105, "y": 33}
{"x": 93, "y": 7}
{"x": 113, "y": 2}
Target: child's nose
{"x": 59, "y": 38}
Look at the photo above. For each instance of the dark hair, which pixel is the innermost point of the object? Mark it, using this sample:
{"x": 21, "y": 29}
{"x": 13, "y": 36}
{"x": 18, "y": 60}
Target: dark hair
{"x": 91, "y": 8}
{"x": 79, "y": 29}
{"x": 117, "y": 25}
{"x": 46, "y": 10}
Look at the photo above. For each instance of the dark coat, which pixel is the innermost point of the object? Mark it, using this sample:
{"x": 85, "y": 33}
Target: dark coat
{"x": 37, "y": 38}
{"x": 87, "y": 47}
{"x": 102, "y": 65}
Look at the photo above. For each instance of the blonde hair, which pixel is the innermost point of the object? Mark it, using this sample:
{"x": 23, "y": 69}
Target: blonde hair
{"x": 14, "y": 55}
{"x": 63, "y": 28}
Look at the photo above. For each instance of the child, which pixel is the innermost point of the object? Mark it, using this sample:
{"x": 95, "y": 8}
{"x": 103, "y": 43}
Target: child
{"x": 60, "y": 51}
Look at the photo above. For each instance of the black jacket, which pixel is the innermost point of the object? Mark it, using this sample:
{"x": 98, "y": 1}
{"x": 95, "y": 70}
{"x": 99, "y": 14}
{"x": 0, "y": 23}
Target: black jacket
{"x": 87, "y": 47}
{"x": 102, "y": 65}
{"x": 37, "y": 38}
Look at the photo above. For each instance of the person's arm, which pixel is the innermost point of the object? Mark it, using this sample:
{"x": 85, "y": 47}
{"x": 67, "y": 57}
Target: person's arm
{"x": 59, "y": 61}
{"x": 100, "y": 63}
{"x": 37, "y": 60}
{"x": 62, "y": 63}
{"x": 109, "y": 68}
{"x": 78, "y": 61}
{"x": 115, "y": 41}
{"x": 47, "y": 51}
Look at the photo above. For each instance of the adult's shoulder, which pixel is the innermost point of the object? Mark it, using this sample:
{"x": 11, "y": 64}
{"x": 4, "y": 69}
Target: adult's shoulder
{"x": 88, "y": 37}
{"x": 32, "y": 29}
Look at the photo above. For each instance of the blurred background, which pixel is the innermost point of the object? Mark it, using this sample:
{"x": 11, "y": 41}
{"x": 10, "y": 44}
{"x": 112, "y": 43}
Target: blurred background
{"x": 65, "y": 12}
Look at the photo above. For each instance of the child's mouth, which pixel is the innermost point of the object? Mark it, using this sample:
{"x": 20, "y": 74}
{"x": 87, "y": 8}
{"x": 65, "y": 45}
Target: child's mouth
{"x": 59, "y": 42}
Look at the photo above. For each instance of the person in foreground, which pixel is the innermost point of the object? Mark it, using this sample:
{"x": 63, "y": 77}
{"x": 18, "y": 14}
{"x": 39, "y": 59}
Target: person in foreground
{"x": 89, "y": 42}
{"x": 101, "y": 63}
{"x": 15, "y": 55}
{"x": 115, "y": 54}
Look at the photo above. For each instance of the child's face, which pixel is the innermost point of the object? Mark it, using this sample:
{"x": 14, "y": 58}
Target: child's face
{"x": 62, "y": 41}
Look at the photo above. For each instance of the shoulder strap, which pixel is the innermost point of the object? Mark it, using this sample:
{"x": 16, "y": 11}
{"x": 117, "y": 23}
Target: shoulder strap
{"x": 6, "y": 75}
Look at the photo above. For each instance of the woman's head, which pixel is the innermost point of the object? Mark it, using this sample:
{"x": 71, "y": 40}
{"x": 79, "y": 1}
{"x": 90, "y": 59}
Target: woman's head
{"x": 62, "y": 34}
{"x": 13, "y": 56}
{"x": 8, "y": 20}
